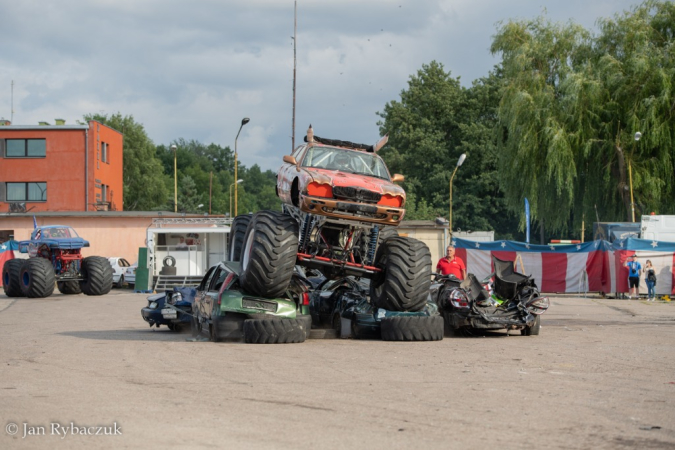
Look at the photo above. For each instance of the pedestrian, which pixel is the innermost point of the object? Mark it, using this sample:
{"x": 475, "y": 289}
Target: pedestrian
{"x": 634, "y": 271}
{"x": 650, "y": 279}
{"x": 451, "y": 264}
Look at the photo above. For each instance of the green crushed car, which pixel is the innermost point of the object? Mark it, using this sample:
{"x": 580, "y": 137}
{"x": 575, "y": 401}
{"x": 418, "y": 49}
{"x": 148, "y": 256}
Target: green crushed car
{"x": 224, "y": 311}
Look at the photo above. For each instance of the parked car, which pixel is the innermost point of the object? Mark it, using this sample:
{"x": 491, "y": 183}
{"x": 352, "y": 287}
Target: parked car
{"x": 130, "y": 274}
{"x": 225, "y": 311}
{"x": 170, "y": 308}
{"x": 119, "y": 266}
{"x": 513, "y": 304}
{"x": 345, "y": 306}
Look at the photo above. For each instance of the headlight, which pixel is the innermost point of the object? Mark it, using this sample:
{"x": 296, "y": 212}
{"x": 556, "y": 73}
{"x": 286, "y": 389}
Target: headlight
{"x": 319, "y": 190}
{"x": 390, "y": 200}
{"x": 153, "y": 305}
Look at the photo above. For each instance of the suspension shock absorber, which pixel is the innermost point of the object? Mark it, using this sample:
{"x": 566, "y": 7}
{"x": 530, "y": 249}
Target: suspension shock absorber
{"x": 303, "y": 231}
{"x": 374, "y": 233}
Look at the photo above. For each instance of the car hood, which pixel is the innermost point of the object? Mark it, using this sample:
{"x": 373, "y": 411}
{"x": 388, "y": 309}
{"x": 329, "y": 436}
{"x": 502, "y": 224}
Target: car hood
{"x": 345, "y": 179}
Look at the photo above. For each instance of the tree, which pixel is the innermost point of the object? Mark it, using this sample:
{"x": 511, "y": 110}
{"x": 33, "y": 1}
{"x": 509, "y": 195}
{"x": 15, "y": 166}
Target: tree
{"x": 144, "y": 187}
{"x": 435, "y": 121}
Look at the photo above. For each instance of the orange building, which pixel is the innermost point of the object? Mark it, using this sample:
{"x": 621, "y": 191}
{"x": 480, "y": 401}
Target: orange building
{"x": 60, "y": 168}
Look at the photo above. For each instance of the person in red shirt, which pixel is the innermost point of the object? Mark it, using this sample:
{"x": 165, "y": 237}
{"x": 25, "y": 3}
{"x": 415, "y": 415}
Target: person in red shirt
{"x": 451, "y": 264}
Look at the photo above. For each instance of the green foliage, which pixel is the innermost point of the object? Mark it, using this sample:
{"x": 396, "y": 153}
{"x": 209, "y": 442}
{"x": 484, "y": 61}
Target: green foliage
{"x": 570, "y": 107}
{"x": 144, "y": 187}
{"x": 435, "y": 121}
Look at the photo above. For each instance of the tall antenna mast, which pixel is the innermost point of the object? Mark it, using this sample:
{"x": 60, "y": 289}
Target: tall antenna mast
{"x": 295, "y": 41}
{"x": 12, "y": 114}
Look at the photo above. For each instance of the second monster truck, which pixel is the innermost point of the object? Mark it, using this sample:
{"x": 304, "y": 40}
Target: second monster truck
{"x": 340, "y": 210}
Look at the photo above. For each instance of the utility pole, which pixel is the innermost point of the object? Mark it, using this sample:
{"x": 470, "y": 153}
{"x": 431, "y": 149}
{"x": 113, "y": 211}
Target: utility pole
{"x": 295, "y": 41}
{"x": 11, "y": 119}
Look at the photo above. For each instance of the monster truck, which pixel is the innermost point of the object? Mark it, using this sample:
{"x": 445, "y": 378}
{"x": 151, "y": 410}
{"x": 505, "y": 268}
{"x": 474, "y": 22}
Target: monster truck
{"x": 55, "y": 258}
{"x": 340, "y": 210}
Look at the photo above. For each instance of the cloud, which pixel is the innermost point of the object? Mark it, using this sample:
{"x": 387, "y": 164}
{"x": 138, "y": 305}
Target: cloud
{"x": 193, "y": 70}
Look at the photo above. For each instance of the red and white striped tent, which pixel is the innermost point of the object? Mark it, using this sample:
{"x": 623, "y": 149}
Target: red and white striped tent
{"x": 595, "y": 266}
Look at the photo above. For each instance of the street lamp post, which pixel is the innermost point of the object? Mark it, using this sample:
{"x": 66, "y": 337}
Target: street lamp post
{"x": 233, "y": 184}
{"x": 175, "y": 180}
{"x": 244, "y": 121}
{"x": 461, "y": 159}
{"x": 637, "y": 137}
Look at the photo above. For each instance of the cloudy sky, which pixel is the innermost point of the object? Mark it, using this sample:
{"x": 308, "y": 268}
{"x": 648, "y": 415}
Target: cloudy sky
{"x": 194, "y": 69}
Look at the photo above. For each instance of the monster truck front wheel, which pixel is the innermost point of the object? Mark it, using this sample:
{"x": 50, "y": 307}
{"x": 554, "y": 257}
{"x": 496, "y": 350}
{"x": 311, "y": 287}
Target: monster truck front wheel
{"x": 11, "y": 277}
{"x": 98, "y": 276}
{"x": 412, "y": 328}
{"x": 237, "y": 233}
{"x": 274, "y": 331}
{"x": 269, "y": 253}
{"x": 38, "y": 278}
{"x": 69, "y": 287}
{"x": 403, "y": 283}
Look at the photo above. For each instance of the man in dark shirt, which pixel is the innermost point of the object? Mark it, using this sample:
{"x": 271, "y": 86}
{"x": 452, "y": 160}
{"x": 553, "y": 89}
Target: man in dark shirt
{"x": 451, "y": 264}
{"x": 634, "y": 271}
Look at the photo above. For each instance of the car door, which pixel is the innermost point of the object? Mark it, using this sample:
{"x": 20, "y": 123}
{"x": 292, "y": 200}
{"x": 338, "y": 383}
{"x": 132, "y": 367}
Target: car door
{"x": 202, "y": 293}
{"x": 211, "y": 294}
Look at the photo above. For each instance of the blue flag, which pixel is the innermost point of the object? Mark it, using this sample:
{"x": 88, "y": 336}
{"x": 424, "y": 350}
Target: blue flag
{"x": 527, "y": 221}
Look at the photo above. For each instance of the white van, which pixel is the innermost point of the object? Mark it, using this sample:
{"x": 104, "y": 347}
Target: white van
{"x": 658, "y": 228}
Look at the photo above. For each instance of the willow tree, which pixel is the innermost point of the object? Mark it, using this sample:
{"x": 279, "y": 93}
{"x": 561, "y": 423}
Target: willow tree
{"x": 539, "y": 157}
{"x": 633, "y": 68}
{"x": 572, "y": 105}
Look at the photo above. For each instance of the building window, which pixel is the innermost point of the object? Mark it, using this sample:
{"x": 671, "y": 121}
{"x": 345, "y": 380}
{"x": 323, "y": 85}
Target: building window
{"x": 26, "y": 148}
{"x": 26, "y": 192}
{"x": 104, "y": 152}
{"x": 104, "y": 193}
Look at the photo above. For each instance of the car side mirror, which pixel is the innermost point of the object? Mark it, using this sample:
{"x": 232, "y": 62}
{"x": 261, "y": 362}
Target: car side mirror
{"x": 397, "y": 178}
{"x": 290, "y": 160}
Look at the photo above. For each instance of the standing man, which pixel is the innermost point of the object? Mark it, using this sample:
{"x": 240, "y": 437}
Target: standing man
{"x": 451, "y": 265}
{"x": 634, "y": 271}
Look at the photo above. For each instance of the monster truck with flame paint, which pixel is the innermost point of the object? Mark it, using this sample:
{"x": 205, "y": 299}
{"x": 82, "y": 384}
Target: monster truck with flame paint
{"x": 55, "y": 258}
{"x": 340, "y": 210}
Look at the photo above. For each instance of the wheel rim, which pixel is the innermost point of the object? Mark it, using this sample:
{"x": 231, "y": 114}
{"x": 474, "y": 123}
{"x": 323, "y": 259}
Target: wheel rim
{"x": 247, "y": 249}
{"x": 25, "y": 278}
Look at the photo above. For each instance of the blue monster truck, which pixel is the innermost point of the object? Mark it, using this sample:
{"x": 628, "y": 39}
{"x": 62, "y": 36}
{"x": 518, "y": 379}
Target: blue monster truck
{"x": 55, "y": 258}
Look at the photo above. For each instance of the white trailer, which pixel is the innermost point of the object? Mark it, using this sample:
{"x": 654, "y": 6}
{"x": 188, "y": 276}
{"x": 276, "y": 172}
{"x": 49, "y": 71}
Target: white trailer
{"x": 186, "y": 248}
{"x": 658, "y": 228}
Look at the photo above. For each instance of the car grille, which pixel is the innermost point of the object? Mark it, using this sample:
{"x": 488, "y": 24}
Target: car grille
{"x": 356, "y": 194}
{"x": 254, "y": 303}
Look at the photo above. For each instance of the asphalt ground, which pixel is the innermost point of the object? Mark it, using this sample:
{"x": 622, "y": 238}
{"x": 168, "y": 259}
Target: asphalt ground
{"x": 601, "y": 375}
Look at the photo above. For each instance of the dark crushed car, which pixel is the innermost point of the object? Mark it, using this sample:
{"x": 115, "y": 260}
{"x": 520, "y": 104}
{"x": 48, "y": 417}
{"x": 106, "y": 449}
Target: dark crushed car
{"x": 514, "y": 304}
{"x": 225, "y": 311}
{"x": 171, "y": 308}
{"x": 344, "y": 305}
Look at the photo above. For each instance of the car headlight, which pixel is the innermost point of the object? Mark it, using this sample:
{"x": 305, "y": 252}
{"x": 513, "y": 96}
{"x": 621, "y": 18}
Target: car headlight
{"x": 153, "y": 305}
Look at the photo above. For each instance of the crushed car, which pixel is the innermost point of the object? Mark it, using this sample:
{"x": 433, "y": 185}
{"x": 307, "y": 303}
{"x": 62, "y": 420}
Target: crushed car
{"x": 224, "y": 310}
{"x": 344, "y": 305}
{"x": 171, "y": 308}
{"x": 467, "y": 306}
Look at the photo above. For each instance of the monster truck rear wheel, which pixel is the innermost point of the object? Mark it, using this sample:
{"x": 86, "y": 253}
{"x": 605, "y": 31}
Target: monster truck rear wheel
{"x": 237, "y": 233}
{"x": 69, "y": 287}
{"x": 274, "y": 331}
{"x": 38, "y": 278}
{"x": 412, "y": 328}
{"x": 269, "y": 253}
{"x": 98, "y": 276}
{"x": 403, "y": 284}
{"x": 11, "y": 277}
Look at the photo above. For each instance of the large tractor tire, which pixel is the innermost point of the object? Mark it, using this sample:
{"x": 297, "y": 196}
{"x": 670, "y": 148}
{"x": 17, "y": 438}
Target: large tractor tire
{"x": 412, "y": 328}
{"x": 237, "y": 234}
{"x": 11, "y": 277}
{"x": 269, "y": 253}
{"x": 98, "y": 276}
{"x": 69, "y": 287}
{"x": 386, "y": 233}
{"x": 37, "y": 278}
{"x": 404, "y": 280}
{"x": 274, "y": 331}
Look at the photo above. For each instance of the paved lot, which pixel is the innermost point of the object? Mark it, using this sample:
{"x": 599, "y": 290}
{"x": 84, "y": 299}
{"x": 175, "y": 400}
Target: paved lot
{"x": 600, "y": 375}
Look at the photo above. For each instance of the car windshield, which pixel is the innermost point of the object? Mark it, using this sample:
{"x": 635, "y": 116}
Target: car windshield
{"x": 349, "y": 161}
{"x": 57, "y": 233}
